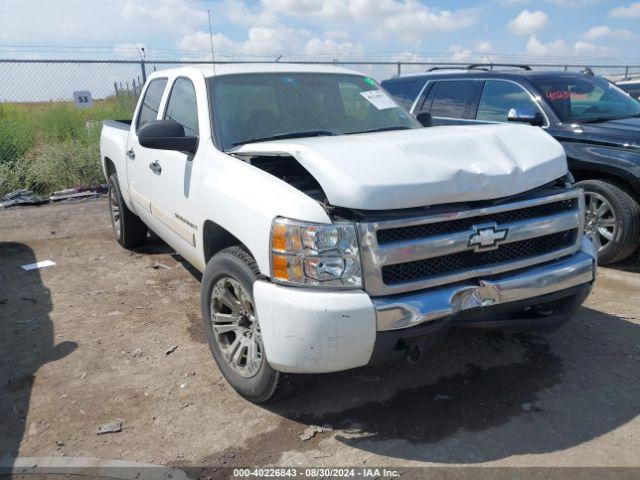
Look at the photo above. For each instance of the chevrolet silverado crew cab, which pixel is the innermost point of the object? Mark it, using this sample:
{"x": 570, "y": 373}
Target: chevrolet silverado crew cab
{"x": 597, "y": 123}
{"x": 333, "y": 230}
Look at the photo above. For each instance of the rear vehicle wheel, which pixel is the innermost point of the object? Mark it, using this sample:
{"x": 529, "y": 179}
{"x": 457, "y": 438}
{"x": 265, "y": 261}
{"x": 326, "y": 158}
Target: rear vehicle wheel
{"x": 612, "y": 220}
{"x": 233, "y": 329}
{"x": 128, "y": 228}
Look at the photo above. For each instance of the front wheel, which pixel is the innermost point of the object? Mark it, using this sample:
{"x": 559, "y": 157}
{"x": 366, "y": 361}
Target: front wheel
{"x": 612, "y": 220}
{"x": 233, "y": 328}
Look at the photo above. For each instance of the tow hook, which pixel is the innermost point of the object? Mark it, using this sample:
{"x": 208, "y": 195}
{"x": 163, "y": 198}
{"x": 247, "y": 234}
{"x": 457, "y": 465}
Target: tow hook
{"x": 415, "y": 352}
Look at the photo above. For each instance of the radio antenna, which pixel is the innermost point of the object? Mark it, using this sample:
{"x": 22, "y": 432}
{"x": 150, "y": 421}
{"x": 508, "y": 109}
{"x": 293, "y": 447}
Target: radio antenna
{"x": 213, "y": 56}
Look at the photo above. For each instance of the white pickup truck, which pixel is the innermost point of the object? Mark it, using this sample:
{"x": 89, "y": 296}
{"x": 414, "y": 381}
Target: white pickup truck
{"x": 333, "y": 230}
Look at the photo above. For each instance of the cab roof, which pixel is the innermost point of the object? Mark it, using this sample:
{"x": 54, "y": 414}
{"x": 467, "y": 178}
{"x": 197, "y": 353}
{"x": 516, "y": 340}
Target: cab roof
{"x": 208, "y": 70}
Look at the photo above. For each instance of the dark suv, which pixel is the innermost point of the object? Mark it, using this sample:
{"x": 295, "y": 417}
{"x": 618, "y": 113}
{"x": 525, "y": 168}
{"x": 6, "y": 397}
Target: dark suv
{"x": 631, "y": 86}
{"x": 597, "y": 123}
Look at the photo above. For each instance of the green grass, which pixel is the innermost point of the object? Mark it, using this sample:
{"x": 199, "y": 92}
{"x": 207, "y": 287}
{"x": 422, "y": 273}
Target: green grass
{"x": 17, "y": 133}
{"x": 52, "y": 145}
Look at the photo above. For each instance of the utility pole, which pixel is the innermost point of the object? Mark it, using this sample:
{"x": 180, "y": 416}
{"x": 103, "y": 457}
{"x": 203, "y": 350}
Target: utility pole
{"x": 142, "y": 66}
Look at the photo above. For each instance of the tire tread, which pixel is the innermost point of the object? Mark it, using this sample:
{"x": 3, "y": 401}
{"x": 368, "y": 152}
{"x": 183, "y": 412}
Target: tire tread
{"x": 133, "y": 231}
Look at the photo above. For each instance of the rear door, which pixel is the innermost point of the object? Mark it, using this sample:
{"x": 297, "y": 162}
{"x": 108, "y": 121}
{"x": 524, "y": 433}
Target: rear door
{"x": 450, "y": 101}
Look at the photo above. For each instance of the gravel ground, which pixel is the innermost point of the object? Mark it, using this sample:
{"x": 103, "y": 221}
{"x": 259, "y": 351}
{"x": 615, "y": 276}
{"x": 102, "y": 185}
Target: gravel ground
{"x": 86, "y": 342}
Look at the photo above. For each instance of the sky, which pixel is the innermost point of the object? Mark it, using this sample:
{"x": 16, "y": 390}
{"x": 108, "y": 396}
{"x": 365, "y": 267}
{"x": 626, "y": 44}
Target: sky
{"x": 582, "y": 32}
{"x": 456, "y": 30}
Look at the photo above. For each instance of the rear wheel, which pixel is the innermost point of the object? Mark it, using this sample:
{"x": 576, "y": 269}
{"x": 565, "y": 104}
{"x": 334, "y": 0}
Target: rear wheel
{"x": 612, "y": 220}
{"x": 129, "y": 230}
{"x": 233, "y": 328}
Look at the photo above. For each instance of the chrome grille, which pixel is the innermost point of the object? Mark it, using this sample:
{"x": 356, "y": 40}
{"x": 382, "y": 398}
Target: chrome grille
{"x": 390, "y": 235}
{"x": 422, "y": 252}
{"x": 405, "y": 272}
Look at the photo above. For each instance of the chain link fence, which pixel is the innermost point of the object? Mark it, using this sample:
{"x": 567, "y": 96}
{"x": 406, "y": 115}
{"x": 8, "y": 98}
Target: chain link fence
{"x": 38, "y": 81}
{"x": 48, "y": 142}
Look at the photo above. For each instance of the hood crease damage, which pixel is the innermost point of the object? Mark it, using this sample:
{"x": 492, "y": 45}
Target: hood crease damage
{"x": 420, "y": 167}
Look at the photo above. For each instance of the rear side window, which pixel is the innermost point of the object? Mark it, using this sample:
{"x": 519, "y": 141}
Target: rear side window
{"x": 404, "y": 91}
{"x": 498, "y": 97}
{"x": 182, "y": 106}
{"x": 151, "y": 102}
{"x": 451, "y": 98}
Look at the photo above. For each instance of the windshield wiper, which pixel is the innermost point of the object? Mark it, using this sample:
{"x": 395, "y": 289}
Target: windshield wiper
{"x": 597, "y": 120}
{"x": 285, "y": 135}
{"x": 381, "y": 129}
{"x": 607, "y": 119}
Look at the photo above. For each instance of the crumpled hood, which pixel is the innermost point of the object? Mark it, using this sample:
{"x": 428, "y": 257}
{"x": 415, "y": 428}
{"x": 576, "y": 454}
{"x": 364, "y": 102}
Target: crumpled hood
{"x": 425, "y": 166}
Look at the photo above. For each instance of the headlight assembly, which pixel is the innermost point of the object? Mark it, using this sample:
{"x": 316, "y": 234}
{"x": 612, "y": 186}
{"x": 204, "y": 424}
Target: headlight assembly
{"x": 311, "y": 254}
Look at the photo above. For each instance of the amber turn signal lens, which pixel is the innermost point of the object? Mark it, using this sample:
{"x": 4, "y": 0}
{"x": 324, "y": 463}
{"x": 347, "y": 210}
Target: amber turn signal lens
{"x": 280, "y": 237}
{"x": 280, "y": 270}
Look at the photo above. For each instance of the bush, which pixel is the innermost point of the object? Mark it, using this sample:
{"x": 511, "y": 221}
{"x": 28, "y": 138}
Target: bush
{"x": 50, "y": 146}
{"x": 62, "y": 164}
{"x": 10, "y": 178}
{"x": 62, "y": 122}
{"x": 17, "y": 134}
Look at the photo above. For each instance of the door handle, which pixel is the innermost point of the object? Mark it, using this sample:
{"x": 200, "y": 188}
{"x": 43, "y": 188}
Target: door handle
{"x": 131, "y": 154}
{"x": 155, "y": 167}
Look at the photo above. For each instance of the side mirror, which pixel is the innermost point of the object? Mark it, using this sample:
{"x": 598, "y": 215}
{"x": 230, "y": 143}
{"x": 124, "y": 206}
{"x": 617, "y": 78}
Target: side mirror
{"x": 426, "y": 119}
{"x": 530, "y": 116}
{"x": 167, "y": 135}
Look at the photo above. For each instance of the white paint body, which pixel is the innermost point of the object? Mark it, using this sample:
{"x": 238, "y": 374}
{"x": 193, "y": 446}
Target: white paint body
{"x": 307, "y": 330}
{"x": 337, "y": 330}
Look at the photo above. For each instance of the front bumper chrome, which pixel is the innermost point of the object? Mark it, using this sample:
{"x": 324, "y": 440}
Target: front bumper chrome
{"x": 404, "y": 311}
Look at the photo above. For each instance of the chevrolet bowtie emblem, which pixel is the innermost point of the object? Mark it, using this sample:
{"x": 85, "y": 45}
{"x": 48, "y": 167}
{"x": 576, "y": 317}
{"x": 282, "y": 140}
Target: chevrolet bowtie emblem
{"x": 487, "y": 237}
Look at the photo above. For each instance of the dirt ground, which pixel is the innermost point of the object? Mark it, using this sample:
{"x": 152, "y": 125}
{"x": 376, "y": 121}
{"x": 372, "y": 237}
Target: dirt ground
{"x": 86, "y": 342}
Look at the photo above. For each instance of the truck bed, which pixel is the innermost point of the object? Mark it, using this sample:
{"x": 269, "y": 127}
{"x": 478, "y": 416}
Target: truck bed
{"x": 120, "y": 124}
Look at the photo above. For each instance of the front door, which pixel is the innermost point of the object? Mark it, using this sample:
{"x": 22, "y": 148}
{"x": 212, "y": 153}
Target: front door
{"x": 143, "y": 180}
{"x": 500, "y": 96}
{"x": 173, "y": 200}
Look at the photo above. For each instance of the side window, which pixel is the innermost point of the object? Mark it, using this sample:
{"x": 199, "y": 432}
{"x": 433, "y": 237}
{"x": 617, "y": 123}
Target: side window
{"x": 182, "y": 106}
{"x": 151, "y": 102}
{"x": 451, "y": 98}
{"x": 403, "y": 91}
{"x": 499, "y": 97}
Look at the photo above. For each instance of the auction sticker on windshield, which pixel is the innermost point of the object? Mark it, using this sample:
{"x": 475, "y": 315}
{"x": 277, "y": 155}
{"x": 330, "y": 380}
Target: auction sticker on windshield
{"x": 379, "y": 99}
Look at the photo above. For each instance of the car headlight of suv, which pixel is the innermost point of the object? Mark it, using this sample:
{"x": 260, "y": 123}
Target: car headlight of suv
{"x": 312, "y": 254}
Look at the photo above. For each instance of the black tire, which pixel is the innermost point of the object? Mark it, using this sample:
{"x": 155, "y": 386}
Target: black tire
{"x": 266, "y": 384}
{"x": 131, "y": 231}
{"x": 626, "y": 235}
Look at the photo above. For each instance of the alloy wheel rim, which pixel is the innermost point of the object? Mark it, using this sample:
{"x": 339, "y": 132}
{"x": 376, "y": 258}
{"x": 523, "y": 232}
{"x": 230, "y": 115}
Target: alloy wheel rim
{"x": 115, "y": 212}
{"x": 600, "y": 220}
{"x": 235, "y": 327}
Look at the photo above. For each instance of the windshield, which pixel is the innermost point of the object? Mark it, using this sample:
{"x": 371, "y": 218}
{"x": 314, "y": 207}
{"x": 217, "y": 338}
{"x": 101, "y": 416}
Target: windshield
{"x": 265, "y": 106}
{"x": 586, "y": 99}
